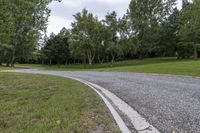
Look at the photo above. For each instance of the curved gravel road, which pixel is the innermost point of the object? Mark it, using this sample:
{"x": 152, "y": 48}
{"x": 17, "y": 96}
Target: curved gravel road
{"x": 169, "y": 103}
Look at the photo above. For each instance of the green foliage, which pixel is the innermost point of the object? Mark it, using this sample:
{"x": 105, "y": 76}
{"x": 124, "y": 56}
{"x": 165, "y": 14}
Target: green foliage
{"x": 21, "y": 26}
{"x": 169, "y": 35}
{"x": 111, "y": 23}
{"x": 150, "y": 28}
{"x": 85, "y": 34}
{"x": 56, "y": 48}
{"x": 93, "y": 40}
{"x": 127, "y": 44}
{"x": 190, "y": 30}
{"x": 145, "y": 16}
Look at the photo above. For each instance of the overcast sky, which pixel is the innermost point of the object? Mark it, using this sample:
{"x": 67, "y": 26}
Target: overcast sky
{"x": 62, "y": 13}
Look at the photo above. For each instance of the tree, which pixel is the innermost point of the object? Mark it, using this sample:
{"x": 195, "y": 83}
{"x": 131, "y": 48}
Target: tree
{"x": 47, "y": 50}
{"x": 145, "y": 16}
{"x": 102, "y": 39}
{"x": 169, "y": 35}
{"x": 5, "y": 29}
{"x": 124, "y": 36}
{"x": 111, "y": 23}
{"x": 25, "y": 20}
{"x": 56, "y": 48}
{"x": 185, "y": 3}
{"x": 190, "y": 31}
{"x": 84, "y": 31}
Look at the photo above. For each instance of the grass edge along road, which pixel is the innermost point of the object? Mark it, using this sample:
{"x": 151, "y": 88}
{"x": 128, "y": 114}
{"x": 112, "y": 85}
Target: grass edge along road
{"x": 154, "y": 65}
{"x": 42, "y": 103}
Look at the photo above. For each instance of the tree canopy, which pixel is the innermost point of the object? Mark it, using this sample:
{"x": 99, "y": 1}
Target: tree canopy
{"x": 150, "y": 28}
{"x": 22, "y": 24}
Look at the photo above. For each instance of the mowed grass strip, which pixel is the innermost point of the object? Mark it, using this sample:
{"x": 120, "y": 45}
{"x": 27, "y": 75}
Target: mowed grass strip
{"x": 153, "y": 65}
{"x": 83, "y": 67}
{"x": 6, "y": 68}
{"x": 178, "y": 67}
{"x": 50, "y": 104}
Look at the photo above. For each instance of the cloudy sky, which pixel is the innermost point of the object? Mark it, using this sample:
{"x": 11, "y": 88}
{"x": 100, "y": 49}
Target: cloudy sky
{"x": 62, "y": 13}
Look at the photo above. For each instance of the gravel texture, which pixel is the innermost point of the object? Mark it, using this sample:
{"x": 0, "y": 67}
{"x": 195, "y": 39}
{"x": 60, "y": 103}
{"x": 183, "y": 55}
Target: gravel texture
{"x": 169, "y": 103}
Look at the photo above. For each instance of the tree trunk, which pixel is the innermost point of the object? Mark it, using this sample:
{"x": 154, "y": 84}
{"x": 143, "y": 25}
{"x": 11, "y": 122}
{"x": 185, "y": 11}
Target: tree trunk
{"x": 90, "y": 59}
{"x": 50, "y": 61}
{"x": 113, "y": 58}
{"x": 8, "y": 64}
{"x": 102, "y": 61}
{"x": 13, "y": 61}
{"x": 177, "y": 55}
{"x": 42, "y": 61}
{"x": 66, "y": 62}
{"x": 99, "y": 60}
{"x": 195, "y": 54}
{"x": 84, "y": 60}
{"x": 13, "y": 58}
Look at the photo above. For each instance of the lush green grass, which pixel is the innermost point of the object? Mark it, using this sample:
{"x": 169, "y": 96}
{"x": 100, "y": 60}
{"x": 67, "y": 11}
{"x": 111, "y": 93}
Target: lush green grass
{"x": 6, "y": 68}
{"x": 49, "y": 104}
{"x": 154, "y": 65}
{"x": 82, "y": 67}
{"x": 184, "y": 67}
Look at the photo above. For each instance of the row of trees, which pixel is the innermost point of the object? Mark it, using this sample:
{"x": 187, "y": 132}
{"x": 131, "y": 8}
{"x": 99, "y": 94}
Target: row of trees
{"x": 150, "y": 28}
{"x": 22, "y": 23}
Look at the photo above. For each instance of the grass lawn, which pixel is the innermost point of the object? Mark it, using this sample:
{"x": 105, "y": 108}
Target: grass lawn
{"x": 6, "y": 68}
{"x": 154, "y": 65}
{"x": 82, "y": 67}
{"x": 50, "y": 104}
{"x": 184, "y": 67}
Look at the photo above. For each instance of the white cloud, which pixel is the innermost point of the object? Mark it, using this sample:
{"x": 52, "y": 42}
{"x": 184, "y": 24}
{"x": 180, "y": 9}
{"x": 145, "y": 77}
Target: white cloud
{"x": 112, "y": 1}
{"x": 84, "y": 2}
{"x": 72, "y": 3}
{"x": 56, "y": 24}
{"x": 61, "y": 15}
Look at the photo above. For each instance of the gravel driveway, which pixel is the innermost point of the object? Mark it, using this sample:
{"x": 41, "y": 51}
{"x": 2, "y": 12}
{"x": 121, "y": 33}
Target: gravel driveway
{"x": 167, "y": 102}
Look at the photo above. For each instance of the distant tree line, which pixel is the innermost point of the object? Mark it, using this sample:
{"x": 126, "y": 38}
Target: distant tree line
{"x": 150, "y": 28}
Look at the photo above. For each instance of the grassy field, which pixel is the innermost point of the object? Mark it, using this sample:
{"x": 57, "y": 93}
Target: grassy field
{"x": 6, "y": 68}
{"x": 186, "y": 67}
{"x": 154, "y": 65}
{"x": 50, "y": 104}
{"x": 83, "y": 67}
